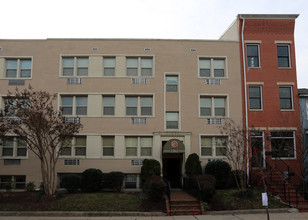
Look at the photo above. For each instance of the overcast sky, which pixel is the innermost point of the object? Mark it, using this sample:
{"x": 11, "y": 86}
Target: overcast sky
{"x": 163, "y": 19}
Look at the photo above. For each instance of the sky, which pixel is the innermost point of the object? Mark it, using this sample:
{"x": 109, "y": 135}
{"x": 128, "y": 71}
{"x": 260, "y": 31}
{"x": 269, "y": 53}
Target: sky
{"x": 151, "y": 19}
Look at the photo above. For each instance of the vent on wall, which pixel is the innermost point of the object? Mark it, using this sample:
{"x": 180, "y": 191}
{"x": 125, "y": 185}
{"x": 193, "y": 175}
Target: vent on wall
{"x": 193, "y": 50}
{"x": 212, "y": 81}
{"x": 71, "y": 162}
{"x": 147, "y": 49}
{"x": 213, "y": 121}
{"x": 94, "y": 48}
{"x": 139, "y": 81}
{"x": 139, "y": 121}
{"x": 73, "y": 81}
{"x": 136, "y": 162}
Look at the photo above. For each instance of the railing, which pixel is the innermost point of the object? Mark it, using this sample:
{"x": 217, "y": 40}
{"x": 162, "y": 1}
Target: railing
{"x": 290, "y": 180}
{"x": 192, "y": 187}
{"x": 168, "y": 188}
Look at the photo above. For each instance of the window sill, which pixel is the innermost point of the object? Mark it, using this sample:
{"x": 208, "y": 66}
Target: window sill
{"x": 254, "y": 67}
{"x": 285, "y": 158}
{"x": 256, "y": 110}
{"x": 287, "y": 110}
{"x": 284, "y": 68}
{"x": 13, "y": 158}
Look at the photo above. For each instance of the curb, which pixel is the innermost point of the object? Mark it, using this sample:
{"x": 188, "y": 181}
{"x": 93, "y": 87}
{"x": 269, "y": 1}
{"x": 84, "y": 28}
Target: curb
{"x": 251, "y": 211}
{"x": 78, "y": 214}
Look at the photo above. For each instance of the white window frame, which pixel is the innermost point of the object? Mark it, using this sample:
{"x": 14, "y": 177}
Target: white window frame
{"x": 109, "y": 106}
{"x": 139, "y": 66}
{"x": 212, "y": 97}
{"x": 170, "y": 86}
{"x": 18, "y": 67}
{"x": 289, "y": 55}
{"x": 73, "y": 147}
{"x": 108, "y": 146}
{"x": 261, "y": 98}
{"x": 138, "y": 147}
{"x": 294, "y": 143}
{"x": 259, "y": 60}
{"x": 139, "y": 106}
{"x": 252, "y": 135}
{"x": 292, "y": 100}
{"x": 74, "y": 104}
{"x": 178, "y": 121}
{"x": 213, "y": 147}
{"x": 15, "y": 148}
{"x": 212, "y": 68}
{"x": 105, "y": 67}
{"x": 75, "y": 66}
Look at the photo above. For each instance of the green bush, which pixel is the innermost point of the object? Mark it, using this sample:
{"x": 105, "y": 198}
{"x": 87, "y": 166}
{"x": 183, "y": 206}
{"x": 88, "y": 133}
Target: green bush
{"x": 71, "y": 182}
{"x": 149, "y": 168}
{"x": 221, "y": 170}
{"x": 154, "y": 188}
{"x": 193, "y": 165}
{"x": 91, "y": 180}
{"x": 236, "y": 174}
{"x": 113, "y": 180}
{"x": 207, "y": 184}
{"x": 30, "y": 187}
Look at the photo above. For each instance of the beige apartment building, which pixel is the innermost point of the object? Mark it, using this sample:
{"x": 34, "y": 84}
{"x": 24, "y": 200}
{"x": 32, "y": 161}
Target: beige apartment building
{"x": 136, "y": 99}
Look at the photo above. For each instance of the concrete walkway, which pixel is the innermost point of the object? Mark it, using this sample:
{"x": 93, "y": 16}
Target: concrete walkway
{"x": 273, "y": 216}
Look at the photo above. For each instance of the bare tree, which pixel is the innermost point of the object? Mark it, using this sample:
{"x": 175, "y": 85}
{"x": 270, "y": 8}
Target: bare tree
{"x": 235, "y": 151}
{"x": 32, "y": 117}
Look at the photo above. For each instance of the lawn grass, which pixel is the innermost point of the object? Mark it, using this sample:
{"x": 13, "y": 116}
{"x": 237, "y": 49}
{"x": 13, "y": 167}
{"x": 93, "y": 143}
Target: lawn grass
{"x": 228, "y": 199}
{"x": 71, "y": 202}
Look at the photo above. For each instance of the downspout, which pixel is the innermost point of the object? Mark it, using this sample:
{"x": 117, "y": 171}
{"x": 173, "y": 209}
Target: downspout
{"x": 245, "y": 94}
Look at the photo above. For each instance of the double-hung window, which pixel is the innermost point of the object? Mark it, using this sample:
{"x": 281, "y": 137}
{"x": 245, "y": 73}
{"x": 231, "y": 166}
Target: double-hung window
{"x": 18, "y": 68}
{"x": 108, "y": 146}
{"x": 253, "y": 55}
{"x": 139, "y": 146}
{"x": 75, "y": 66}
{"x": 75, "y": 146}
{"x": 255, "y": 97}
{"x": 131, "y": 181}
{"x": 74, "y": 105}
{"x": 139, "y": 66}
{"x": 109, "y": 66}
{"x": 213, "y": 146}
{"x": 212, "y": 67}
{"x": 283, "y": 55}
{"x": 172, "y": 82}
{"x": 108, "y": 105}
{"x": 14, "y": 147}
{"x": 139, "y": 105}
{"x": 212, "y": 106}
{"x": 172, "y": 120}
{"x": 286, "y": 101}
{"x": 283, "y": 143}
{"x": 12, "y": 106}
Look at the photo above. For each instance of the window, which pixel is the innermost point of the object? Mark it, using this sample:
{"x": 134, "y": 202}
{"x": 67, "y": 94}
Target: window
{"x": 213, "y": 146}
{"x": 172, "y": 83}
{"x": 109, "y": 66}
{"x": 145, "y": 144}
{"x": 252, "y": 55}
{"x": 11, "y": 108}
{"x": 283, "y": 55}
{"x": 18, "y": 68}
{"x": 131, "y": 181}
{"x": 139, "y": 105}
{"x": 75, "y": 146}
{"x": 213, "y": 106}
{"x": 75, "y": 66}
{"x": 172, "y": 120}
{"x": 16, "y": 182}
{"x": 283, "y": 144}
{"x": 256, "y": 142}
{"x": 108, "y": 145}
{"x": 212, "y": 67}
{"x": 285, "y": 93}
{"x": 139, "y": 66}
{"x": 14, "y": 147}
{"x": 74, "y": 105}
{"x": 108, "y": 105}
{"x": 255, "y": 97}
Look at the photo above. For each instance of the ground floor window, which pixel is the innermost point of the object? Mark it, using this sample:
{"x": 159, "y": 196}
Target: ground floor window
{"x": 13, "y": 182}
{"x": 131, "y": 181}
{"x": 213, "y": 145}
{"x": 283, "y": 143}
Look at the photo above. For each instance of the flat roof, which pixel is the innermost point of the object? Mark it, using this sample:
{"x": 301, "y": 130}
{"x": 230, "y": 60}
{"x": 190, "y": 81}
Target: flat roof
{"x": 268, "y": 16}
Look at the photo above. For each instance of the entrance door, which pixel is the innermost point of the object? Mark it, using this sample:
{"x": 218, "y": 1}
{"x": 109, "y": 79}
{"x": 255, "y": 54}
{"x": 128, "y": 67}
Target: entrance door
{"x": 172, "y": 169}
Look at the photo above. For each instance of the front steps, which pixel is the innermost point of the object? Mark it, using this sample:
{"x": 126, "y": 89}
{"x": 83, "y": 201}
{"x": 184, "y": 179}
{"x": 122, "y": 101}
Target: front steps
{"x": 181, "y": 203}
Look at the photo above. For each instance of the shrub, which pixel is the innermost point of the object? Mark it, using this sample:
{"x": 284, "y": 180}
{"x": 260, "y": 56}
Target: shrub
{"x": 221, "y": 170}
{"x": 91, "y": 180}
{"x": 30, "y": 187}
{"x": 149, "y": 168}
{"x": 154, "y": 188}
{"x": 193, "y": 165}
{"x": 113, "y": 180}
{"x": 236, "y": 175}
{"x": 207, "y": 184}
{"x": 71, "y": 182}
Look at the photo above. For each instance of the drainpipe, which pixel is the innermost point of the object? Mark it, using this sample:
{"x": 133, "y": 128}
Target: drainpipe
{"x": 245, "y": 94}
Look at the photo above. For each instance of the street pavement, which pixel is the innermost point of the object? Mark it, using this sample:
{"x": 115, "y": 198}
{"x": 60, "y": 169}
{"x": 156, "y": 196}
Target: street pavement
{"x": 258, "y": 216}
